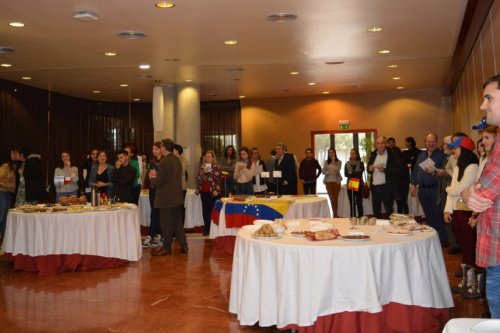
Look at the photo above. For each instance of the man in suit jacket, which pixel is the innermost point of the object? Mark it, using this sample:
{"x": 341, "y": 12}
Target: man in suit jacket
{"x": 384, "y": 168}
{"x": 285, "y": 163}
{"x": 169, "y": 199}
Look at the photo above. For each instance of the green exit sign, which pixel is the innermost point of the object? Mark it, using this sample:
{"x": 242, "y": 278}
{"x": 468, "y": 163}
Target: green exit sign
{"x": 344, "y": 127}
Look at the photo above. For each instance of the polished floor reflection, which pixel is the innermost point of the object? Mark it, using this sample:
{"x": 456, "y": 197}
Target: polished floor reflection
{"x": 177, "y": 293}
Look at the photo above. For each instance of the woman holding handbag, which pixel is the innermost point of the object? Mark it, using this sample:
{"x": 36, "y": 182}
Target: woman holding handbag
{"x": 353, "y": 170}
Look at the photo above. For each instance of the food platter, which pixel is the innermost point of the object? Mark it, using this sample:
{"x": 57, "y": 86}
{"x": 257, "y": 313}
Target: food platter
{"x": 399, "y": 233}
{"x": 355, "y": 238}
{"x": 267, "y": 238}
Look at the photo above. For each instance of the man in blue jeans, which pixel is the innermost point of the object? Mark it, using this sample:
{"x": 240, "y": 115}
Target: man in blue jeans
{"x": 425, "y": 176}
{"x": 484, "y": 198}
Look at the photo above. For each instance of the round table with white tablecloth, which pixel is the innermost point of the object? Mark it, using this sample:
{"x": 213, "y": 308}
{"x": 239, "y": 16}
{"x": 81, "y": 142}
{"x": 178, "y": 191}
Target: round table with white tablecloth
{"x": 49, "y": 243}
{"x": 386, "y": 283}
{"x": 472, "y": 325}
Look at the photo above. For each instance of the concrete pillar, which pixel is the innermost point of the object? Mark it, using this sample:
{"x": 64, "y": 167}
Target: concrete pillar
{"x": 169, "y": 103}
{"x": 187, "y": 129}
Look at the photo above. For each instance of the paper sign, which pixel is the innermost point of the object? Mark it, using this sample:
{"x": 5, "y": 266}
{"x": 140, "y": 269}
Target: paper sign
{"x": 264, "y": 174}
{"x": 58, "y": 180}
{"x": 277, "y": 174}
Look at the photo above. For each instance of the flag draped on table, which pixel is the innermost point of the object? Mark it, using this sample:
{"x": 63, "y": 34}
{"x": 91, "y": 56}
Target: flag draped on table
{"x": 243, "y": 213}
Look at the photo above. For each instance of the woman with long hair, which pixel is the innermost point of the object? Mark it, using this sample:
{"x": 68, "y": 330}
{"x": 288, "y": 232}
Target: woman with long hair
{"x": 259, "y": 183}
{"x": 100, "y": 175}
{"x": 333, "y": 179}
{"x": 244, "y": 171}
{"x": 457, "y": 213}
{"x": 7, "y": 188}
{"x": 209, "y": 187}
{"x": 227, "y": 163}
{"x": 353, "y": 170}
{"x": 154, "y": 237}
{"x": 66, "y": 177}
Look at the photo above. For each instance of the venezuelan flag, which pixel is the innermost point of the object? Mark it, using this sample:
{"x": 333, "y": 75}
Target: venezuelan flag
{"x": 244, "y": 213}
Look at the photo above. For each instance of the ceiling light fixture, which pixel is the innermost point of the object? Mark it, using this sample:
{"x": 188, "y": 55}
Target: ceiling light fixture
{"x": 96, "y": 91}
{"x": 242, "y": 96}
{"x": 26, "y": 78}
{"x": 137, "y": 99}
{"x": 17, "y": 24}
{"x": 110, "y": 54}
{"x": 123, "y": 85}
{"x": 144, "y": 66}
{"x": 5, "y": 50}
{"x": 85, "y": 16}
{"x": 131, "y": 35}
{"x": 393, "y": 66}
{"x": 311, "y": 84}
{"x": 384, "y": 51}
{"x": 326, "y": 93}
{"x": 6, "y": 65}
{"x": 231, "y": 42}
{"x": 188, "y": 80}
{"x": 294, "y": 73}
{"x": 374, "y": 29}
{"x": 164, "y": 4}
{"x": 400, "y": 88}
{"x": 281, "y": 17}
{"x": 396, "y": 78}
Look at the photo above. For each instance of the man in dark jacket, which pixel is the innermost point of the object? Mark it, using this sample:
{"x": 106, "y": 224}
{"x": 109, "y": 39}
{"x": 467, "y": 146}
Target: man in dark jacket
{"x": 285, "y": 163}
{"x": 384, "y": 169}
{"x": 123, "y": 178}
{"x": 309, "y": 171}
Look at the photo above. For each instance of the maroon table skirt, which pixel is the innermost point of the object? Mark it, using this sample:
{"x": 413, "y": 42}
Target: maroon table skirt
{"x": 224, "y": 244}
{"x": 394, "y": 318}
{"x": 55, "y": 264}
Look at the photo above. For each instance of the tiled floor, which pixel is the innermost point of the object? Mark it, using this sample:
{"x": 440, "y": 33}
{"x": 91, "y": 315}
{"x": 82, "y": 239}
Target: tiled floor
{"x": 177, "y": 293}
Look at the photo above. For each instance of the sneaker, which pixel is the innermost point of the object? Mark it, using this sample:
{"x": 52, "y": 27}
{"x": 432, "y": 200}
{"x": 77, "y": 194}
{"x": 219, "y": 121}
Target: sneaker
{"x": 147, "y": 242}
{"x": 157, "y": 240}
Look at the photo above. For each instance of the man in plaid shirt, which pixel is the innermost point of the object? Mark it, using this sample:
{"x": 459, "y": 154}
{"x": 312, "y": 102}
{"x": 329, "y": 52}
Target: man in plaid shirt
{"x": 484, "y": 197}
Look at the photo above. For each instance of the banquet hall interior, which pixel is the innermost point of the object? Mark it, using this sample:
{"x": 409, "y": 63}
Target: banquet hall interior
{"x": 207, "y": 74}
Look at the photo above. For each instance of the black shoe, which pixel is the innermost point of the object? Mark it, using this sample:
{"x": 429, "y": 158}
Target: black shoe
{"x": 454, "y": 250}
{"x": 445, "y": 244}
{"x": 184, "y": 250}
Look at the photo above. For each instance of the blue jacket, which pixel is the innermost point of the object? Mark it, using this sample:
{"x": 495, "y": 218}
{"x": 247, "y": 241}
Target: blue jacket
{"x": 425, "y": 179}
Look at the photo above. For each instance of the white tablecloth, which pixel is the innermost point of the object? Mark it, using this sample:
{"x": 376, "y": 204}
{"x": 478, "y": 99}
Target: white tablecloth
{"x": 302, "y": 207}
{"x": 414, "y": 205}
{"x": 293, "y": 280}
{"x": 110, "y": 234}
{"x": 192, "y": 204}
{"x": 464, "y": 325}
{"x": 194, "y": 211}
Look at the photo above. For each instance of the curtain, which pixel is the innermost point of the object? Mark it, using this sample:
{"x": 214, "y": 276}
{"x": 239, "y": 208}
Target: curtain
{"x": 220, "y": 125}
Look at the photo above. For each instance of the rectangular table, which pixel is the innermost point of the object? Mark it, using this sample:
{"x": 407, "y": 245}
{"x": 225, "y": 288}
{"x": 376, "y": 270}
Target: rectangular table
{"x": 50, "y": 243}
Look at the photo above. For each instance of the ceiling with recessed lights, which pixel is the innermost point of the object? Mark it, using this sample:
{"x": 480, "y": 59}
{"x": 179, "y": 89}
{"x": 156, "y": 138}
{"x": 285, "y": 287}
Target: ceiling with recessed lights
{"x": 229, "y": 47}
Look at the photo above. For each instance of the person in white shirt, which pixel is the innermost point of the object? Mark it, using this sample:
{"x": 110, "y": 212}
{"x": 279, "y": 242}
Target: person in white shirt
{"x": 259, "y": 183}
{"x": 244, "y": 170}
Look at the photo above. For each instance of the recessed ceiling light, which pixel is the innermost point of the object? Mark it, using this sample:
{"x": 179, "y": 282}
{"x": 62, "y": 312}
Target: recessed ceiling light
{"x": 144, "y": 66}
{"x": 242, "y": 96}
{"x": 231, "y": 42}
{"x": 5, "y": 50}
{"x": 137, "y": 99}
{"x": 188, "y": 80}
{"x": 17, "y": 24}
{"x": 384, "y": 51}
{"x": 374, "y": 29}
{"x": 96, "y": 91}
{"x": 294, "y": 73}
{"x": 393, "y": 66}
{"x": 281, "y": 17}
{"x": 311, "y": 84}
{"x": 400, "y": 88}
{"x": 123, "y": 85}
{"x": 396, "y": 78}
{"x": 131, "y": 35}
{"x": 26, "y": 78}
{"x": 110, "y": 54}
{"x": 326, "y": 93}
{"x": 6, "y": 65}
{"x": 164, "y": 4}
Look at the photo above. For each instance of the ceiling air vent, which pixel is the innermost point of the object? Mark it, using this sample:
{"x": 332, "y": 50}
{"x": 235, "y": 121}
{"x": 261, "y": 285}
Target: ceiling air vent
{"x": 334, "y": 62}
{"x": 4, "y": 50}
{"x": 131, "y": 35}
{"x": 281, "y": 17}
{"x": 85, "y": 16}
